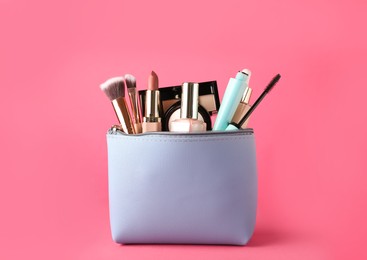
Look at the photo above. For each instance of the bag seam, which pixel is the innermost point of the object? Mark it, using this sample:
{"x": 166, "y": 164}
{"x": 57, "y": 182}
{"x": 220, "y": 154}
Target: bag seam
{"x": 180, "y": 139}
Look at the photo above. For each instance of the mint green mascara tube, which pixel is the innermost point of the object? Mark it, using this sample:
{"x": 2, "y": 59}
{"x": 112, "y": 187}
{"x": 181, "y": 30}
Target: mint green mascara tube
{"x": 231, "y": 99}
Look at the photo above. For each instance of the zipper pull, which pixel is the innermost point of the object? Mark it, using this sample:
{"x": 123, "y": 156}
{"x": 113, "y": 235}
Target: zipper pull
{"x": 116, "y": 129}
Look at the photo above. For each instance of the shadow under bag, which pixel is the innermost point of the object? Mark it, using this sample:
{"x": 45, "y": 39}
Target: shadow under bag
{"x": 192, "y": 188}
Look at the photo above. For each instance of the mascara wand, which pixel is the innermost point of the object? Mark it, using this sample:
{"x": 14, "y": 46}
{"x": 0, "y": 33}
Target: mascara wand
{"x": 233, "y": 125}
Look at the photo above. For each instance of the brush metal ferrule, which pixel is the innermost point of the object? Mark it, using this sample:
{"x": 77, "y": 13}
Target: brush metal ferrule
{"x": 123, "y": 115}
{"x": 152, "y": 106}
{"x": 134, "y": 105}
{"x": 135, "y": 109}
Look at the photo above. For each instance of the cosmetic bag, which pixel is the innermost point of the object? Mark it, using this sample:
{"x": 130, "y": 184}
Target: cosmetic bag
{"x": 182, "y": 188}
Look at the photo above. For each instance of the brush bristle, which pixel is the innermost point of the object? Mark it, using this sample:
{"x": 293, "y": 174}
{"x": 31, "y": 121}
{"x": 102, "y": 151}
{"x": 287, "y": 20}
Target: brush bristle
{"x": 273, "y": 82}
{"x": 130, "y": 81}
{"x": 114, "y": 88}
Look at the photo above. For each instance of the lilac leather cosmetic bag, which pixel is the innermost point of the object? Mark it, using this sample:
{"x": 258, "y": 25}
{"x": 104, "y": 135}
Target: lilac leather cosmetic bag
{"x": 196, "y": 188}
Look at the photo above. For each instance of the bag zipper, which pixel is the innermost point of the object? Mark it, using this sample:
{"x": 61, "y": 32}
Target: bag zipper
{"x": 117, "y": 130}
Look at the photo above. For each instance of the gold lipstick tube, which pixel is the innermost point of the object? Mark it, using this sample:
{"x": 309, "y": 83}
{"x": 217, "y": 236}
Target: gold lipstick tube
{"x": 152, "y": 119}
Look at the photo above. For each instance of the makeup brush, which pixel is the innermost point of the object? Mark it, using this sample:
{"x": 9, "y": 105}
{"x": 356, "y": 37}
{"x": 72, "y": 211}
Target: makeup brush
{"x": 114, "y": 88}
{"x": 233, "y": 125}
{"x": 130, "y": 81}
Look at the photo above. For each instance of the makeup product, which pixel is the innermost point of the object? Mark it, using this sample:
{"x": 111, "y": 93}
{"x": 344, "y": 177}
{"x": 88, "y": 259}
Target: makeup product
{"x": 152, "y": 118}
{"x": 171, "y": 103}
{"x": 208, "y": 96}
{"x": 232, "y": 97}
{"x": 236, "y": 126}
{"x": 188, "y": 121}
{"x": 243, "y": 107}
{"x": 174, "y": 113}
{"x": 114, "y": 89}
{"x": 135, "y": 109}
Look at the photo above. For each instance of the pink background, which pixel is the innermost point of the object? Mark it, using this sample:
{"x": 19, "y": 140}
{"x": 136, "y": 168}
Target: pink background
{"x": 310, "y": 131}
